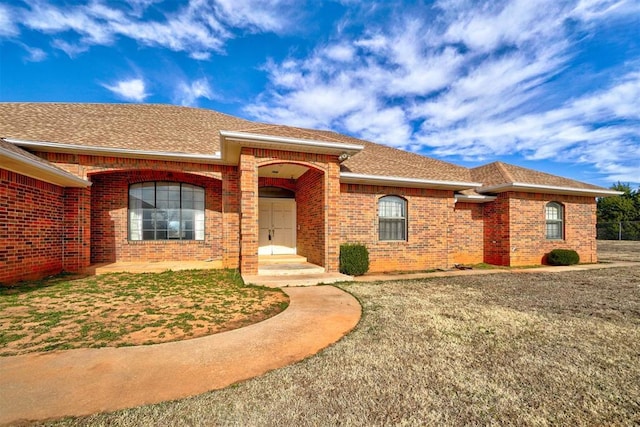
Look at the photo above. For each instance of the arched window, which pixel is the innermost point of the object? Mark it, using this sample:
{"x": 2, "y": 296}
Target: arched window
{"x": 166, "y": 211}
{"x": 392, "y": 218}
{"x": 554, "y": 215}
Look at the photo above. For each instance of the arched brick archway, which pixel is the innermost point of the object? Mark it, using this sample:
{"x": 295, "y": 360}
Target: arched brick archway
{"x": 314, "y": 178}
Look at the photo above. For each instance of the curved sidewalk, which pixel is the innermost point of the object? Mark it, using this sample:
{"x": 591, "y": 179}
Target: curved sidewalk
{"x": 85, "y": 381}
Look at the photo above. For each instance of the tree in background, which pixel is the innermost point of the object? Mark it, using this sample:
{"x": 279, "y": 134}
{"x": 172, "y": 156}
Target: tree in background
{"x": 623, "y": 209}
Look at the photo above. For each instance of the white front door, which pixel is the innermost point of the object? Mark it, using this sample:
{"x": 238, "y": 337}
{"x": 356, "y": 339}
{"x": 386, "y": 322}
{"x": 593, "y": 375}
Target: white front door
{"x": 277, "y": 226}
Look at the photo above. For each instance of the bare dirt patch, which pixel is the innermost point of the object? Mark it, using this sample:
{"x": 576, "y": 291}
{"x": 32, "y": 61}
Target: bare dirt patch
{"x": 507, "y": 349}
{"x": 129, "y": 309}
{"x": 618, "y": 250}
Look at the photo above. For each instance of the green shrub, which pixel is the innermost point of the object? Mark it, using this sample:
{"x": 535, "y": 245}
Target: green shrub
{"x": 354, "y": 259}
{"x": 563, "y": 257}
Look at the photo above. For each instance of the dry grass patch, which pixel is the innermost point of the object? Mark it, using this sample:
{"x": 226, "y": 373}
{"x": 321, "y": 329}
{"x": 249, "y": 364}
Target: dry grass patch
{"x": 514, "y": 349}
{"x": 618, "y": 250}
{"x": 129, "y": 309}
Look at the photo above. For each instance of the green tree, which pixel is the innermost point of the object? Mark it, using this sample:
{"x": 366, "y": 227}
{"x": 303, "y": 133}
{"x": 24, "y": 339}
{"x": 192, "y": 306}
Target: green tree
{"x": 615, "y": 209}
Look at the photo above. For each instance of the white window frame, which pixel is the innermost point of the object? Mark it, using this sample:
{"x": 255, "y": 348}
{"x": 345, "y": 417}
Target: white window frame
{"x": 554, "y": 217}
{"x": 389, "y": 214}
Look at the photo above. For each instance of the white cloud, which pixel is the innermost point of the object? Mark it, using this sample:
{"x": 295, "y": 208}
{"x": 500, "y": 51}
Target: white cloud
{"x": 259, "y": 15}
{"x": 198, "y": 28}
{"x": 130, "y": 90}
{"x": 35, "y": 54}
{"x": 188, "y": 93}
{"x": 72, "y": 50}
{"x": 589, "y": 10}
{"x": 340, "y": 52}
{"x": 476, "y": 81}
{"x": 565, "y": 133}
{"x": 7, "y": 22}
{"x": 53, "y": 20}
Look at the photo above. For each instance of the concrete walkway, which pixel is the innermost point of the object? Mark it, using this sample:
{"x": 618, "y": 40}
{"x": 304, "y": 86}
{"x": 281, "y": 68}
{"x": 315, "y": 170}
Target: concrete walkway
{"x": 85, "y": 381}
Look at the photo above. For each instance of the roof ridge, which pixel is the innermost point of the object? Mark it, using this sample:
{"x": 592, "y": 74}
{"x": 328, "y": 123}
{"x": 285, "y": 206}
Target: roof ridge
{"x": 504, "y": 171}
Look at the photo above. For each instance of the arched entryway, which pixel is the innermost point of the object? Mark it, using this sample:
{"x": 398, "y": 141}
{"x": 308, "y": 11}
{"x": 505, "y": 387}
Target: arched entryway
{"x": 291, "y": 214}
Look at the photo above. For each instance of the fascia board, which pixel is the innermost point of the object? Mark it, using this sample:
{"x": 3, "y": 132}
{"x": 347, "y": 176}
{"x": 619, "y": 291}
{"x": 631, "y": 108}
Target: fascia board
{"x": 41, "y": 171}
{"x": 56, "y": 147}
{"x": 550, "y": 189}
{"x": 395, "y": 181}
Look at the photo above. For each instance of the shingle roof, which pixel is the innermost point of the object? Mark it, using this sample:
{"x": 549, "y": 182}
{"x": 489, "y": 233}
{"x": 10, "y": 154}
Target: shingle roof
{"x": 167, "y": 128}
{"x": 21, "y": 161}
{"x": 162, "y": 128}
{"x": 173, "y": 129}
{"x": 499, "y": 173}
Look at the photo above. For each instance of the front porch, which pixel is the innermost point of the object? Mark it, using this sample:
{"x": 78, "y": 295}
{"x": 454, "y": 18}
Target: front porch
{"x": 278, "y": 271}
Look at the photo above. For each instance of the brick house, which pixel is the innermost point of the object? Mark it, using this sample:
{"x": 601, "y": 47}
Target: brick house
{"x": 82, "y": 184}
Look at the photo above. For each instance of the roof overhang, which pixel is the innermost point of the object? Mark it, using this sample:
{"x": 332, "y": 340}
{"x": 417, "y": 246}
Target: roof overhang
{"x": 549, "y": 189}
{"x": 56, "y": 147}
{"x": 232, "y": 142}
{"x": 396, "y": 181}
{"x": 473, "y": 198}
{"x": 40, "y": 170}
{"x": 231, "y": 145}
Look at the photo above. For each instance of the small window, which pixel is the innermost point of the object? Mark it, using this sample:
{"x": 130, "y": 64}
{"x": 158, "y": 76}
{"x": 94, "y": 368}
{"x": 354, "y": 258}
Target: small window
{"x": 166, "y": 211}
{"x": 554, "y": 215}
{"x": 392, "y": 218}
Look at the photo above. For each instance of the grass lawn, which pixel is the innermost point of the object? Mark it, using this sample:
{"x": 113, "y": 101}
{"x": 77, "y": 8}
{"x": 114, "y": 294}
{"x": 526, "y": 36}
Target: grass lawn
{"x": 129, "y": 309}
{"x": 523, "y": 349}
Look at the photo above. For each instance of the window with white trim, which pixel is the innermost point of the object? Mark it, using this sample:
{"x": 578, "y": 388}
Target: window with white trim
{"x": 554, "y": 216}
{"x": 166, "y": 211}
{"x": 392, "y": 218}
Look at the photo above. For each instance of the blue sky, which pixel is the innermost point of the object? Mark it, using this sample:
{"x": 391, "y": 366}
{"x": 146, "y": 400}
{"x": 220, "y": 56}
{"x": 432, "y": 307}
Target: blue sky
{"x": 552, "y": 85}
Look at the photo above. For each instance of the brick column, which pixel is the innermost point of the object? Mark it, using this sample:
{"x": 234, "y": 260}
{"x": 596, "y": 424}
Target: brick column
{"x": 230, "y": 218}
{"x": 332, "y": 217}
{"x": 248, "y": 212}
{"x": 76, "y": 239}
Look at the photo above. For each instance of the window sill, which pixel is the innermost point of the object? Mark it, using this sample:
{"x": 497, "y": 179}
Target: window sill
{"x": 164, "y": 242}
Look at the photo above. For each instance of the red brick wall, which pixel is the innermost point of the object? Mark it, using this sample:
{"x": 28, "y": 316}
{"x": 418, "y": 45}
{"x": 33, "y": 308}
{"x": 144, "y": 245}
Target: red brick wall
{"x": 528, "y": 244}
{"x": 249, "y": 227}
{"x": 31, "y": 228}
{"x": 429, "y": 216}
{"x": 496, "y": 231}
{"x": 310, "y": 215}
{"x": 77, "y": 229}
{"x": 109, "y": 220}
{"x": 467, "y": 233}
{"x": 226, "y": 239}
{"x": 230, "y": 218}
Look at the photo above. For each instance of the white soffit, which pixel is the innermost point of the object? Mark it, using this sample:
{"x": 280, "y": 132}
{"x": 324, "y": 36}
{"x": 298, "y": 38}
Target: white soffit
{"x": 244, "y": 139}
{"x": 466, "y": 198}
{"x": 548, "y": 189}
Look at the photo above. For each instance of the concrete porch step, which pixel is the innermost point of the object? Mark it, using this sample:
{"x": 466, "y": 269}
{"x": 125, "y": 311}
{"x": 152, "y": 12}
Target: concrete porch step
{"x": 289, "y": 269}
{"x": 297, "y": 280}
{"x": 281, "y": 259}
